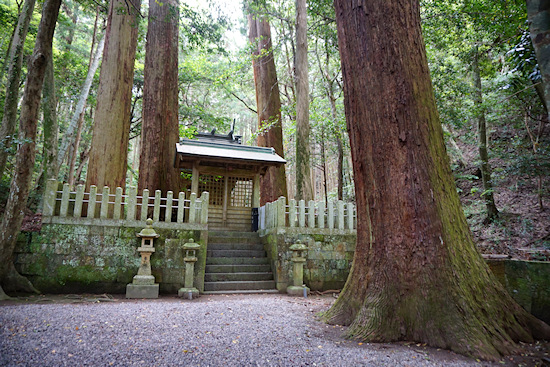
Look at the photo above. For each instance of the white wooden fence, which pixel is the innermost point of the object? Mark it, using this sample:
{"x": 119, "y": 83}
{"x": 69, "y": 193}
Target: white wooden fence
{"x": 331, "y": 215}
{"x": 129, "y": 206}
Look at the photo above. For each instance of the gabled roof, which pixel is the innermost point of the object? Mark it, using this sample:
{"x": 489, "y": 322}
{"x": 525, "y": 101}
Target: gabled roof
{"x": 188, "y": 149}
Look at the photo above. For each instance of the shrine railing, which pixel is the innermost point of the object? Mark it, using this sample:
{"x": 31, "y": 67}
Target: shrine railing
{"x": 124, "y": 206}
{"x": 317, "y": 214}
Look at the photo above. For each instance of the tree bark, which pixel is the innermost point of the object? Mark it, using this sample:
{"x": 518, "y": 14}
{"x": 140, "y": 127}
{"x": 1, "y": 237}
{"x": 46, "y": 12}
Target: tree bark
{"x": 304, "y": 181}
{"x": 488, "y": 197}
{"x": 538, "y": 14}
{"x": 109, "y": 151}
{"x": 268, "y": 102}
{"x": 9, "y": 118}
{"x": 19, "y": 189}
{"x": 78, "y": 115}
{"x": 416, "y": 273}
{"x": 160, "y": 128}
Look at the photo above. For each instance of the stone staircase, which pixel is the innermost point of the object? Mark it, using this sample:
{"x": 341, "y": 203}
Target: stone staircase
{"x": 237, "y": 263}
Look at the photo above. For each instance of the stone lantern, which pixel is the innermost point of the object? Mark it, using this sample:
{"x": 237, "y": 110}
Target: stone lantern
{"x": 298, "y": 258}
{"x": 190, "y": 257}
{"x": 143, "y": 284}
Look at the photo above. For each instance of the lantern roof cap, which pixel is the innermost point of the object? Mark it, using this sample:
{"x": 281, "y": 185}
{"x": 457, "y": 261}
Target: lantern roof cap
{"x": 148, "y": 231}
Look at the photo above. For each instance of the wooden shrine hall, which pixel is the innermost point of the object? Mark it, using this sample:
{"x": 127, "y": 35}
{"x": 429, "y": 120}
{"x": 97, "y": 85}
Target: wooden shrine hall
{"x": 230, "y": 172}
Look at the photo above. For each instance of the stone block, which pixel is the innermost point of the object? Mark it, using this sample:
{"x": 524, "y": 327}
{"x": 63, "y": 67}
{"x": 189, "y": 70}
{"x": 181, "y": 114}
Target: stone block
{"x": 184, "y": 293}
{"x": 296, "y": 291}
{"x": 142, "y": 291}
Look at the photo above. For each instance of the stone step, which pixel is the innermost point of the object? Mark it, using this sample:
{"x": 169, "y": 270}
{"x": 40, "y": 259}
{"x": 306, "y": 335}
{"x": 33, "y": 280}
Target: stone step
{"x": 224, "y": 239}
{"x": 238, "y": 268}
{"x": 224, "y": 277}
{"x": 236, "y": 260}
{"x": 239, "y": 285}
{"x": 235, "y": 246}
{"x": 233, "y": 234}
{"x": 243, "y": 291}
{"x": 235, "y": 253}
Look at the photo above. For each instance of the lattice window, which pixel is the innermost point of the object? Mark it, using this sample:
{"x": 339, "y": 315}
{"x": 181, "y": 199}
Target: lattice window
{"x": 215, "y": 186}
{"x": 241, "y": 191}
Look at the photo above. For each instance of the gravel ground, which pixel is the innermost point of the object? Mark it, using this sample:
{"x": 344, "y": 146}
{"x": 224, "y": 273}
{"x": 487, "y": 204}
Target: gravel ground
{"x": 230, "y": 330}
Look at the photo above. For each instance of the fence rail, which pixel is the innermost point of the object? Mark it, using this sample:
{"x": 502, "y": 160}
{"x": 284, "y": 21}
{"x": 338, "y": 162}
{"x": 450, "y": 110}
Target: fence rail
{"x": 331, "y": 215}
{"x": 129, "y": 206}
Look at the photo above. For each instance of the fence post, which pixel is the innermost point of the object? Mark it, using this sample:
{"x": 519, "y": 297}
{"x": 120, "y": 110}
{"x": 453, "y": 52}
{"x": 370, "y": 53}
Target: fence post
{"x": 321, "y": 214}
{"x": 118, "y": 203}
{"x": 156, "y": 209}
{"x": 292, "y": 213}
{"x": 144, "y": 204}
{"x": 302, "y": 214}
{"x": 193, "y": 208}
{"x": 92, "y": 198}
{"x": 168, "y": 211}
{"x": 205, "y": 197}
{"x": 281, "y": 215}
{"x": 340, "y": 214}
{"x": 64, "y": 201}
{"x": 78, "y": 201}
{"x": 330, "y": 215}
{"x": 181, "y": 201}
{"x": 132, "y": 203}
{"x": 350, "y": 215}
{"x": 104, "y": 202}
{"x": 49, "y": 197}
{"x": 311, "y": 214}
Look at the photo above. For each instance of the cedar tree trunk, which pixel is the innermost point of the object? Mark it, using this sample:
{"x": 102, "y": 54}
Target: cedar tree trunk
{"x": 416, "y": 273}
{"x": 9, "y": 118}
{"x": 304, "y": 182}
{"x": 19, "y": 189}
{"x": 109, "y": 151}
{"x": 538, "y": 14}
{"x": 160, "y": 129}
{"x": 485, "y": 168}
{"x": 268, "y": 102}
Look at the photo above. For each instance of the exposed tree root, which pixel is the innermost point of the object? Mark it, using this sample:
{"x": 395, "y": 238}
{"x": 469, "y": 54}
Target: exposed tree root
{"x": 16, "y": 282}
{"x": 3, "y": 296}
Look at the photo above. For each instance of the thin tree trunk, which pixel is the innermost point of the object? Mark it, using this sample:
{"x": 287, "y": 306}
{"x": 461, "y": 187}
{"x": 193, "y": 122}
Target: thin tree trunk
{"x": 109, "y": 151}
{"x": 538, "y": 14}
{"x": 50, "y": 130}
{"x": 304, "y": 181}
{"x": 9, "y": 119}
{"x": 416, "y": 272}
{"x": 268, "y": 102}
{"x": 160, "y": 128}
{"x": 78, "y": 115}
{"x": 492, "y": 211}
{"x": 19, "y": 189}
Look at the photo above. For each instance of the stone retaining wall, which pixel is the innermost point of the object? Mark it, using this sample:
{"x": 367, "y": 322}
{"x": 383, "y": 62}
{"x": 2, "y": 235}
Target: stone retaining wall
{"x": 329, "y": 255}
{"x": 80, "y": 255}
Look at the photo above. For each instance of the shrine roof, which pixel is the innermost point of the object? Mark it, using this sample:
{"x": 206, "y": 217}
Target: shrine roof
{"x": 209, "y": 150}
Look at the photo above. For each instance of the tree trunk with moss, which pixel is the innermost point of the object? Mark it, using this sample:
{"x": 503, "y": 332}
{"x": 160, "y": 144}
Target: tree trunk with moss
{"x": 416, "y": 274}
{"x": 268, "y": 102}
{"x": 15, "y": 59}
{"x": 19, "y": 189}
{"x": 109, "y": 151}
{"x": 484, "y": 166}
{"x": 304, "y": 180}
{"x": 160, "y": 129}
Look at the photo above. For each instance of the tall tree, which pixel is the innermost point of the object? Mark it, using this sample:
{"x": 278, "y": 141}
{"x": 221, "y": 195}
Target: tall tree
{"x": 538, "y": 13}
{"x": 416, "y": 273}
{"x": 160, "y": 128}
{"x": 485, "y": 167}
{"x": 268, "y": 102}
{"x": 109, "y": 151}
{"x": 15, "y": 56}
{"x": 19, "y": 189}
{"x": 304, "y": 182}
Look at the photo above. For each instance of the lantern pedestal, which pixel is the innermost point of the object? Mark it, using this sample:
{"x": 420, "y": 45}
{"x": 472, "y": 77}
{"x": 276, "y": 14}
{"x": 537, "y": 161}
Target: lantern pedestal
{"x": 143, "y": 285}
{"x": 298, "y": 289}
{"x": 190, "y": 257}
